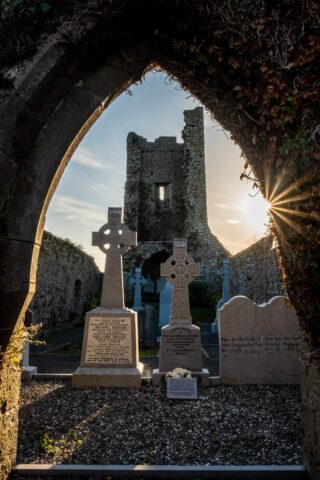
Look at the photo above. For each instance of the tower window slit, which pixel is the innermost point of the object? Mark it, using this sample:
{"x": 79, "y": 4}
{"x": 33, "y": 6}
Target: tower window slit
{"x": 161, "y": 192}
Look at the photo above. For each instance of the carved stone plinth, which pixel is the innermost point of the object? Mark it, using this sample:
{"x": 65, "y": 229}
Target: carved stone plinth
{"x": 110, "y": 350}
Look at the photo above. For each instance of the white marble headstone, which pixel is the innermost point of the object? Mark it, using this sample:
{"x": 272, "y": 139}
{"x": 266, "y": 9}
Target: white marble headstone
{"x": 259, "y": 343}
{"x": 110, "y": 351}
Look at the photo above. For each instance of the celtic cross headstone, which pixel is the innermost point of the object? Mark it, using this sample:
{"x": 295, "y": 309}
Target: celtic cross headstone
{"x": 114, "y": 239}
{"x": 226, "y": 273}
{"x": 165, "y": 305}
{"x": 110, "y": 354}
{"x": 138, "y": 281}
{"x": 180, "y": 344}
{"x": 179, "y": 270}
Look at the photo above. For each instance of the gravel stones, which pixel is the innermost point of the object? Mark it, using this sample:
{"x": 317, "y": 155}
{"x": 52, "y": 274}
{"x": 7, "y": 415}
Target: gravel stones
{"x": 258, "y": 424}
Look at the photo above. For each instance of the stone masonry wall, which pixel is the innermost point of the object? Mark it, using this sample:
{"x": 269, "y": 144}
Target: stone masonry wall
{"x": 256, "y": 272}
{"x": 179, "y": 169}
{"x": 150, "y": 166}
{"x": 67, "y": 278}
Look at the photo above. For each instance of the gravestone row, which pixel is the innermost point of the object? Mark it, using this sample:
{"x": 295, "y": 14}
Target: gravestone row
{"x": 258, "y": 344}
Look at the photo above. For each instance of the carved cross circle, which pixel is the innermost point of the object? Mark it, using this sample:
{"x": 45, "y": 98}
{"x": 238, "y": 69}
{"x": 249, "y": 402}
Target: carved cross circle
{"x": 115, "y": 238}
{"x": 138, "y": 280}
{"x": 180, "y": 267}
{"x": 116, "y": 235}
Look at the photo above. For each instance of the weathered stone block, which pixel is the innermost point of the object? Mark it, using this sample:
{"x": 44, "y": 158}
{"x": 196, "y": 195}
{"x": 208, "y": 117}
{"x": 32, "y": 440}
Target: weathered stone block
{"x": 18, "y": 126}
{"x": 50, "y": 76}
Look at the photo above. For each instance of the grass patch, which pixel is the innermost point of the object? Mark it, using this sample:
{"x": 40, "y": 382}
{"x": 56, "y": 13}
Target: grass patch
{"x": 148, "y": 352}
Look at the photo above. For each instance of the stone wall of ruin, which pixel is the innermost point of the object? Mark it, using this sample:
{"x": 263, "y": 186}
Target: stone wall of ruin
{"x": 183, "y": 211}
{"x": 67, "y": 279}
{"x": 259, "y": 267}
{"x": 149, "y": 166}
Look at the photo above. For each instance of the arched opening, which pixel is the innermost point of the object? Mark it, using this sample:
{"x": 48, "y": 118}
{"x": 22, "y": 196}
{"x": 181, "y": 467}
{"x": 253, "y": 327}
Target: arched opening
{"x": 151, "y": 271}
{"x": 273, "y": 144}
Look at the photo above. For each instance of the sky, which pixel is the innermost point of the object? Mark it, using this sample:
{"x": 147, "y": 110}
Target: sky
{"x": 95, "y": 176}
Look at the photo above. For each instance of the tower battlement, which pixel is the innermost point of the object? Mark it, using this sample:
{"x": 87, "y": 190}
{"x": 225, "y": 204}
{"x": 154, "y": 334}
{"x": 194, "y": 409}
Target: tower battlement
{"x": 165, "y": 191}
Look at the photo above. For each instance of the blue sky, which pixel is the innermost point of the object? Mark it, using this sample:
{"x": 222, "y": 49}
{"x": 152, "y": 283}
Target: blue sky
{"x": 95, "y": 176}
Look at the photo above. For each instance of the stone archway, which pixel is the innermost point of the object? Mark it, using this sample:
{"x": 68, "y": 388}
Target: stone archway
{"x": 98, "y": 54}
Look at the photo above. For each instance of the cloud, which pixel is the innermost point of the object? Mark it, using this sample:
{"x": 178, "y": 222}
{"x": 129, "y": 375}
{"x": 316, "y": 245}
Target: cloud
{"x": 99, "y": 188}
{"x": 233, "y": 222}
{"x": 87, "y": 158}
{"x": 229, "y": 207}
{"x": 78, "y": 211}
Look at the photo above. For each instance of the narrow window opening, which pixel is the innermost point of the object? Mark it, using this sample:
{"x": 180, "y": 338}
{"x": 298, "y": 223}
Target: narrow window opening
{"x": 162, "y": 196}
{"x": 161, "y": 192}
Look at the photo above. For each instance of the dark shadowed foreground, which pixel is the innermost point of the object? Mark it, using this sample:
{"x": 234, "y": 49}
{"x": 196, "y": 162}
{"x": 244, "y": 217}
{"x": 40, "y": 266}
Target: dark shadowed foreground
{"x": 227, "y": 425}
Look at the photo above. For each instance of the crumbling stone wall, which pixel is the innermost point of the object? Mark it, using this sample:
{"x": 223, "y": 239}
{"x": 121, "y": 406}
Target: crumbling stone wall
{"x": 150, "y": 166}
{"x": 66, "y": 279}
{"x": 183, "y": 212}
{"x": 162, "y": 199}
{"x": 259, "y": 267}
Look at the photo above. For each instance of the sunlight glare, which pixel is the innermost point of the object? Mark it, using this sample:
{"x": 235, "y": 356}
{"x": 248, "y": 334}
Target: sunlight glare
{"x": 256, "y": 212}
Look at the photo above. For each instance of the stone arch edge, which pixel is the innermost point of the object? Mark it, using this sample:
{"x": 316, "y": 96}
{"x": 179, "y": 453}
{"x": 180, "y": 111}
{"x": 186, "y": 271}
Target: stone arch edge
{"x": 38, "y": 165}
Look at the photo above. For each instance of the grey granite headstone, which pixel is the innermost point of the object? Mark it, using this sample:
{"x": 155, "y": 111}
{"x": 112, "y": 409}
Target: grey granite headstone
{"x": 226, "y": 273}
{"x": 150, "y": 326}
{"x": 110, "y": 352}
{"x": 242, "y": 283}
{"x": 138, "y": 281}
{"x": 149, "y": 285}
{"x": 27, "y": 370}
{"x": 180, "y": 344}
{"x": 161, "y": 283}
{"x": 182, "y": 388}
{"x": 165, "y": 305}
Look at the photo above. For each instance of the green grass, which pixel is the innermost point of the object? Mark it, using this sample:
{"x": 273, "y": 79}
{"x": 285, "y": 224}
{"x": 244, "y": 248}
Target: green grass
{"x": 148, "y": 352}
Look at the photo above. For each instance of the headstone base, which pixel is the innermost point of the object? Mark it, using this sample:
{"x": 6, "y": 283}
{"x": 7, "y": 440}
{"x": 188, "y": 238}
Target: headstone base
{"x": 203, "y": 377}
{"x": 108, "y": 377}
{"x": 180, "y": 346}
{"x": 28, "y": 372}
{"x": 110, "y": 351}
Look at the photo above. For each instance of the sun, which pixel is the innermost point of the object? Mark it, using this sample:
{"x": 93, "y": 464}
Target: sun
{"x": 255, "y": 210}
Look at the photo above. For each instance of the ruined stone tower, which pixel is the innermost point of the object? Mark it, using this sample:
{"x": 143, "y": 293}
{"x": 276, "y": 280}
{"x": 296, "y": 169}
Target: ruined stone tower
{"x": 165, "y": 194}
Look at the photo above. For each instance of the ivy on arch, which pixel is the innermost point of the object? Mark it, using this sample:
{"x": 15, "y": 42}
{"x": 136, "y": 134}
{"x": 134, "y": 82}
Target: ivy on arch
{"x": 254, "y": 64}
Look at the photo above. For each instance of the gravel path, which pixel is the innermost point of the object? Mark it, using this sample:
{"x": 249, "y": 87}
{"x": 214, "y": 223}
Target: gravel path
{"x": 226, "y": 425}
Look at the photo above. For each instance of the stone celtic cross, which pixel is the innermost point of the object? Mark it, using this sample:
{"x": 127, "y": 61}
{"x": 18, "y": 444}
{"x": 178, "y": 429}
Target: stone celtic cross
{"x": 114, "y": 239}
{"x": 137, "y": 281}
{"x": 180, "y": 269}
{"x": 226, "y": 273}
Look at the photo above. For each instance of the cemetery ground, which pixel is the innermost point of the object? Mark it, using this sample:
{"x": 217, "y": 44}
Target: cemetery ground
{"x": 251, "y": 424}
